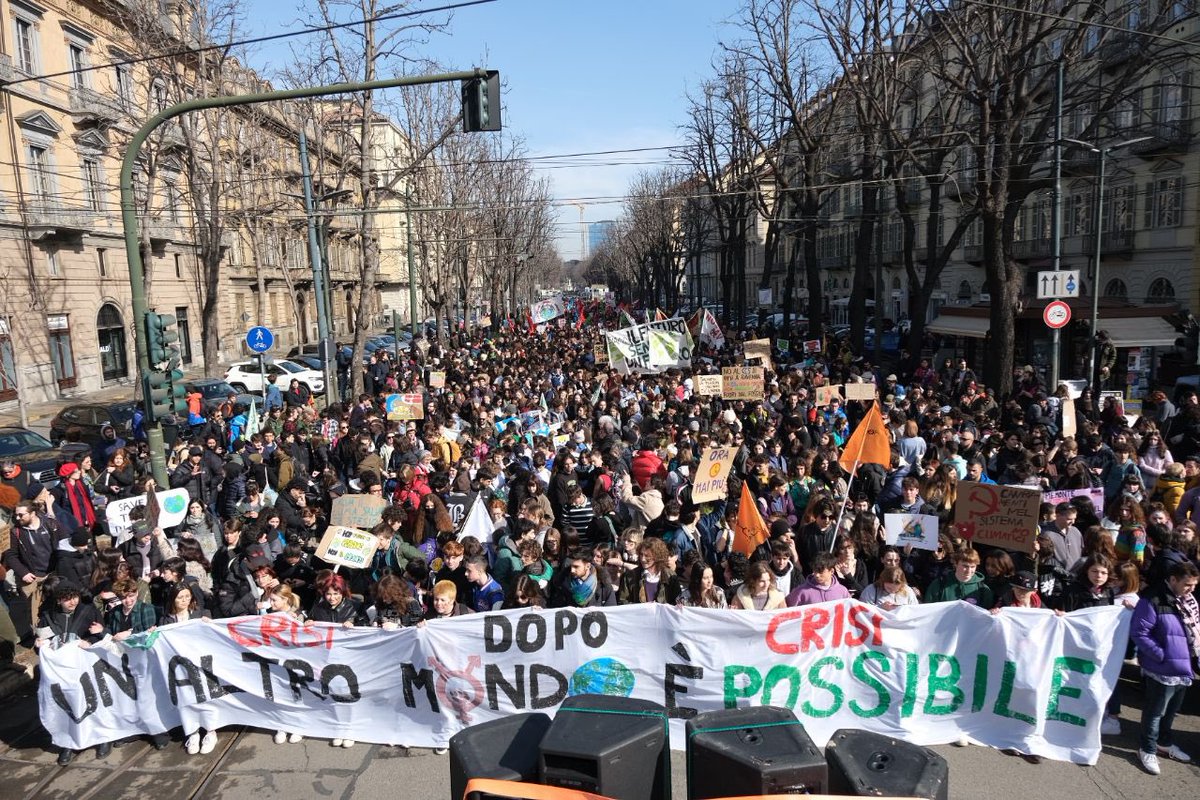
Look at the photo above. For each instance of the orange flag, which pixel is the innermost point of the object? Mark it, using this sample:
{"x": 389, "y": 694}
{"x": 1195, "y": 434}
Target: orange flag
{"x": 869, "y": 444}
{"x": 749, "y": 531}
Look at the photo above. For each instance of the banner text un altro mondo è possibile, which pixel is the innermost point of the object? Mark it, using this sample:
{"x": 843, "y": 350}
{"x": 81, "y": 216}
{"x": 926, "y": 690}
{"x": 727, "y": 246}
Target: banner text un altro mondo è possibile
{"x": 1026, "y": 679}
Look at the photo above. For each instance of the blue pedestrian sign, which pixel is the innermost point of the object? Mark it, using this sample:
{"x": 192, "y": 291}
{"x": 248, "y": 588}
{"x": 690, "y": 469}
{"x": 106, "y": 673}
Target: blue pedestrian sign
{"x": 260, "y": 339}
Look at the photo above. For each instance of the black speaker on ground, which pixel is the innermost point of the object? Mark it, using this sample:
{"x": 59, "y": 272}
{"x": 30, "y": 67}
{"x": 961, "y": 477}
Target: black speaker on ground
{"x": 752, "y": 751}
{"x": 505, "y": 749}
{"x": 613, "y": 746}
{"x": 865, "y": 764}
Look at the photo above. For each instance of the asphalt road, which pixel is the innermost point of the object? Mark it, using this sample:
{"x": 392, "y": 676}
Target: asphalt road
{"x": 247, "y": 764}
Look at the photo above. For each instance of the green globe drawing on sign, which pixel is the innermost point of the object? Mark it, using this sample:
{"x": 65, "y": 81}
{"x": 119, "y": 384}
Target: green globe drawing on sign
{"x": 603, "y": 676}
{"x": 174, "y": 504}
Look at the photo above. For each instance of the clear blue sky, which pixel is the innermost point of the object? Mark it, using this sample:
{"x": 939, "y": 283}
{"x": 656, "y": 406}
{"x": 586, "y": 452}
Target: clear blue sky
{"x": 579, "y": 77}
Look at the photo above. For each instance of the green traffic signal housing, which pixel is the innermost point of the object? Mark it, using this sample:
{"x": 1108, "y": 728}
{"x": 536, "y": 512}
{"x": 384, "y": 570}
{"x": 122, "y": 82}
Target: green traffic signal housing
{"x": 481, "y": 103}
{"x": 163, "y": 390}
{"x": 162, "y": 342}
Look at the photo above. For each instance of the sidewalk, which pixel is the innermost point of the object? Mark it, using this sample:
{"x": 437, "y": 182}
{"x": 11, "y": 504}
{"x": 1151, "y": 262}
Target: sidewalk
{"x": 40, "y": 414}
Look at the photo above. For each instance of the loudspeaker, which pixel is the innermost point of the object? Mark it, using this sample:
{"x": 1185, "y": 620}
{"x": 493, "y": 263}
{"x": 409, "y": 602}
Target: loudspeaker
{"x": 863, "y": 764}
{"x": 752, "y": 751}
{"x": 612, "y": 746}
{"x": 505, "y": 749}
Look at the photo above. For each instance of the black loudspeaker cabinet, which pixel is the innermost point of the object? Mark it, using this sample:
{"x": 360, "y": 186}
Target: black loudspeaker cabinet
{"x": 865, "y": 764}
{"x": 504, "y": 749}
{"x": 752, "y": 751}
{"x": 613, "y": 746}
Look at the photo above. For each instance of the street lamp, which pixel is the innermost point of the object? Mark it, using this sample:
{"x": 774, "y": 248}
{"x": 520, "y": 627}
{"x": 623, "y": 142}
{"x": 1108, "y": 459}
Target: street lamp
{"x": 1099, "y": 226}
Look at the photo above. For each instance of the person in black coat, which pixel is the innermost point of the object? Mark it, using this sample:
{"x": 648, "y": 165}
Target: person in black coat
{"x": 581, "y": 586}
{"x": 288, "y": 506}
{"x": 77, "y": 566}
{"x": 69, "y": 619}
{"x": 335, "y": 604}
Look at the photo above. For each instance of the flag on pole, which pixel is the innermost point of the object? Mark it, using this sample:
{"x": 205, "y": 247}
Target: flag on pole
{"x": 869, "y": 444}
{"x": 625, "y": 320}
{"x": 750, "y": 530}
{"x": 253, "y": 422}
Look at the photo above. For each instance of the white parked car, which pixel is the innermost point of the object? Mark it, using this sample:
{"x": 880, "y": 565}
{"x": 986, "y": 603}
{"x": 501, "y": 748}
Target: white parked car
{"x": 244, "y": 376}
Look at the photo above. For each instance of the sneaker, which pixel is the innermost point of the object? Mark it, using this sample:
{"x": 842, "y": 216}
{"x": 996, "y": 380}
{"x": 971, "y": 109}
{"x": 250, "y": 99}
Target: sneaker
{"x": 336, "y": 743}
{"x": 192, "y": 745}
{"x": 208, "y": 743}
{"x": 280, "y": 737}
{"x": 1174, "y": 753}
{"x": 295, "y": 738}
{"x": 962, "y": 741}
{"x": 440, "y": 751}
{"x": 1150, "y": 762}
{"x": 1110, "y": 726}
{"x": 347, "y": 743}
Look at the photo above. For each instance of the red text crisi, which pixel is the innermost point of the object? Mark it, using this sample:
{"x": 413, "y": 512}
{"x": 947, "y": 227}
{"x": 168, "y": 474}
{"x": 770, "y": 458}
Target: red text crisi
{"x": 819, "y": 628}
{"x": 280, "y": 630}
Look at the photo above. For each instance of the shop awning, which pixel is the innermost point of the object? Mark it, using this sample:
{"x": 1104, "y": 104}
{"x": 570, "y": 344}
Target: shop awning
{"x": 1139, "y": 331}
{"x": 954, "y": 325}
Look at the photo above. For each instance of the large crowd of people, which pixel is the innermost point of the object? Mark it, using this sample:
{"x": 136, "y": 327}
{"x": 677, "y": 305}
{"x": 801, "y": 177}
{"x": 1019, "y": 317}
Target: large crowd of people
{"x": 587, "y": 475}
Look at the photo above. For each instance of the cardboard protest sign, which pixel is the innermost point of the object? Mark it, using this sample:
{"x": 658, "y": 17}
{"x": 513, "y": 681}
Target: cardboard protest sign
{"x": 347, "y": 547}
{"x": 742, "y": 383}
{"x": 712, "y": 474}
{"x": 357, "y": 510}
{"x": 172, "y": 508}
{"x": 485, "y": 321}
{"x": 859, "y": 391}
{"x": 918, "y": 530}
{"x": 401, "y": 407}
{"x": 1066, "y": 495}
{"x": 1002, "y": 516}
{"x": 825, "y": 394}
{"x": 812, "y": 346}
{"x": 437, "y": 380}
{"x": 1068, "y": 418}
{"x": 758, "y": 348}
{"x": 709, "y": 385}
{"x": 600, "y": 352}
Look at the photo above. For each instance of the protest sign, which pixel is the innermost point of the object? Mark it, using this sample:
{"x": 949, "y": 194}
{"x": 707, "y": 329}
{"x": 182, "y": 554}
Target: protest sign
{"x": 357, "y": 510}
{"x": 437, "y": 380}
{"x": 650, "y": 347}
{"x": 485, "y": 321}
{"x": 709, "y": 385}
{"x": 926, "y": 674}
{"x": 600, "y": 352}
{"x": 546, "y": 310}
{"x": 784, "y": 345}
{"x": 560, "y": 440}
{"x": 917, "y": 530}
{"x": 812, "y": 346}
{"x": 712, "y": 474}
{"x": 347, "y": 547}
{"x": 859, "y": 391}
{"x": 457, "y": 504}
{"x": 1068, "y": 418}
{"x": 172, "y": 508}
{"x": 825, "y": 394}
{"x": 1002, "y": 516}
{"x": 742, "y": 383}
{"x": 401, "y": 407}
{"x": 758, "y": 348}
{"x": 1065, "y": 495}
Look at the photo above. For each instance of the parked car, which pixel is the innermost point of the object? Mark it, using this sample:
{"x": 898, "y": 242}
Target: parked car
{"x": 90, "y": 418}
{"x": 312, "y": 362}
{"x": 214, "y": 391}
{"x": 245, "y": 376}
{"x": 36, "y": 454}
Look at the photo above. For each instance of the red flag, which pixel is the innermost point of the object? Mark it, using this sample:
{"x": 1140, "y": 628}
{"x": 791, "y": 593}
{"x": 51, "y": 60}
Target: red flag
{"x": 582, "y": 317}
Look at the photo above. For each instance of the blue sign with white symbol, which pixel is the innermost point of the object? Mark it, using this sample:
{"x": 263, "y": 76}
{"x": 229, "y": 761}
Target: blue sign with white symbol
{"x": 260, "y": 339}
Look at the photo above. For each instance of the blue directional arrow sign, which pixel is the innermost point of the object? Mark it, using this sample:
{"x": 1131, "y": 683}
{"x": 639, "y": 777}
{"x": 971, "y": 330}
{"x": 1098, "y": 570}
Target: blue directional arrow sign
{"x": 260, "y": 339}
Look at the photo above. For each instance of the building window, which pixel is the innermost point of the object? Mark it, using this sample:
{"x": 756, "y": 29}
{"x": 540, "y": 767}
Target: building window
{"x": 52, "y": 266}
{"x": 78, "y": 59}
{"x": 1118, "y": 209}
{"x": 964, "y": 290}
{"x": 1164, "y": 202}
{"x": 92, "y": 189}
{"x": 185, "y": 333}
{"x": 26, "y": 44}
{"x": 1161, "y": 290}
{"x": 62, "y": 359}
{"x": 174, "y": 200}
{"x": 40, "y": 185}
{"x": 102, "y": 261}
{"x": 1079, "y": 213}
{"x": 1116, "y": 288}
{"x": 110, "y": 335}
{"x": 178, "y": 266}
{"x": 124, "y": 80}
{"x": 8, "y": 364}
{"x": 1171, "y": 105}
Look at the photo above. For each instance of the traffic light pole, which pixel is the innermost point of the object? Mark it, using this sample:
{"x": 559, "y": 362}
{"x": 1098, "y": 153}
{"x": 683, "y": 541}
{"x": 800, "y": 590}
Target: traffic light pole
{"x": 154, "y": 434}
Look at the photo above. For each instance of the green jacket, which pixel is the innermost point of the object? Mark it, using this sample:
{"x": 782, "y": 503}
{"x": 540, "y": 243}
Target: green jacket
{"x": 944, "y": 590}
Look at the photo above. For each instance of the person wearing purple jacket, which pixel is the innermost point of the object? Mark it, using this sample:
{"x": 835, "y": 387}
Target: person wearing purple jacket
{"x": 1165, "y": 629}
{"x": 821, "y": 585}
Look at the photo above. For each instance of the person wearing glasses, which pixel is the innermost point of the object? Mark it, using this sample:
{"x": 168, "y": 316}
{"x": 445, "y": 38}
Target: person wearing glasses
{"x": 31, "y": 552}
{"x": 819, "y": 534}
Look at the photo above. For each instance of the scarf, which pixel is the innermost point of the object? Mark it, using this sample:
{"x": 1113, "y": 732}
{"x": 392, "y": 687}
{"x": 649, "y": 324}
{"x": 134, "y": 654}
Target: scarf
{"x": 582, "y": 590}
{"x": 81, "y": 504}
{"x": 1189, "y": 614}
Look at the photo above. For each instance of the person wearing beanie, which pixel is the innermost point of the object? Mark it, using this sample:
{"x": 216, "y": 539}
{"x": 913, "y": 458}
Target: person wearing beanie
{"x": 76, "y": 565}
{"x": 73, "y": 495}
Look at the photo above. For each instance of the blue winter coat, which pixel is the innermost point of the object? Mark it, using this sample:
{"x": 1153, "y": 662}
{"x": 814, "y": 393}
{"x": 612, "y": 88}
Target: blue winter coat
{"x": 1157, "y": 630}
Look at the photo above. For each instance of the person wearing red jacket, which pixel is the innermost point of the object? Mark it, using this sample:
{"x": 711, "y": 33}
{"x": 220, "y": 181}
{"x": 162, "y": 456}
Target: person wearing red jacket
{"x": 646, "y": 464}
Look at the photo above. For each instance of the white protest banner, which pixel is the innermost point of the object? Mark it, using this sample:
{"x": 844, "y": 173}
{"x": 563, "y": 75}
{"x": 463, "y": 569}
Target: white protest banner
{"x": 918, "y": 530}
{"x": 709, "y": 385}
{"x": 172, "y": 508}
{"x": 859, "y": 391}
{"x": 712, "y": 474}
{"x": 357, "y": 510}
{"x": 1065, "y": 495}
{"x": 926, "y": 674}
{"x": 546, "y": 310}
{"x": 347, "y": 546}
{"x": 650, "y": 347}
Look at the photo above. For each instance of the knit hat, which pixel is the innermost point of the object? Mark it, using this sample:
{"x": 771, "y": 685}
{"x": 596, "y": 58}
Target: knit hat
{"x": 33, "y": 491}
{"x": 68, "y": 469}
{"x": 81, "y": 538}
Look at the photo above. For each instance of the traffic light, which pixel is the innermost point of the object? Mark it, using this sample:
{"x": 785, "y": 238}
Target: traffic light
{"x": 162, "y": 386}
{"x": 481, "y": 103}
{"x": 161, "y": 341}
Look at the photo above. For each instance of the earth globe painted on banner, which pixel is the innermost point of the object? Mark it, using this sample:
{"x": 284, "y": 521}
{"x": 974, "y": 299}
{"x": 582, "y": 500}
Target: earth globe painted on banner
{"x": 174, "y": 504}
{"x": 602, "y": 676}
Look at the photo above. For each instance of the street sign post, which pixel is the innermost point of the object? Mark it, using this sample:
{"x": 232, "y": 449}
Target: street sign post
{"x": 1055, "y": 285}
{"x": 1056, "y": 315}
{"x": 260, "y": 339}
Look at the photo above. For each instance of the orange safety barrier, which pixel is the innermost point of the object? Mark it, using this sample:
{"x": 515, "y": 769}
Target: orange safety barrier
{"x": 519, "y": 790}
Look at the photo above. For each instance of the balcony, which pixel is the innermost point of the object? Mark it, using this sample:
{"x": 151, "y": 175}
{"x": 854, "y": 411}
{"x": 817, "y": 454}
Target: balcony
{"x": 162, "y": 230}
{"x": 90, "y": 105}
{"x": 973, "y": 253}
{"x": 1031, "y": 249}
{"x": 1164, "y": 137}
{"x": 1079, "y": 161}
{"x": 1113, "y": 244}
{"x": 834, "y": 262}
{"x": 51, "y": 221}
{"x": 1121, "y": 46}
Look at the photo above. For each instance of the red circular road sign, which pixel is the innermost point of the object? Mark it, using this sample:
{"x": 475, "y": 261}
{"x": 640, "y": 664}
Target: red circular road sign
{"x": 1057, "y": 314}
